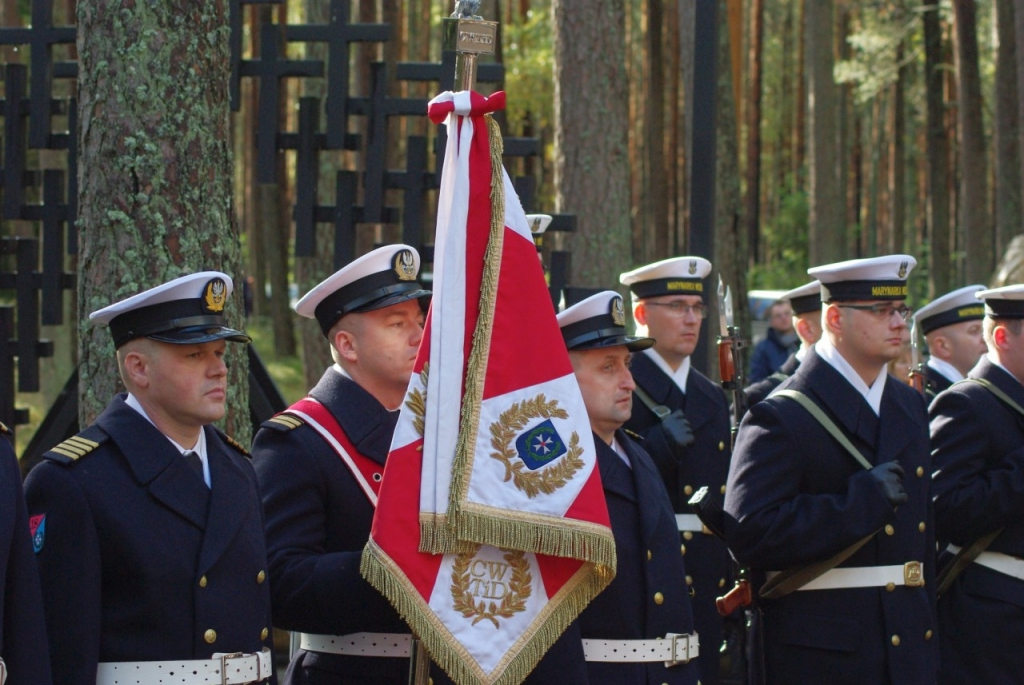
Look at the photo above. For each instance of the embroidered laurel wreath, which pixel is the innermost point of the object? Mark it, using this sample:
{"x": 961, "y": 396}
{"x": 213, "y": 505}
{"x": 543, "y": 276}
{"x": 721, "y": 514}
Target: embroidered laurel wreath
{"x": 503, "y": 433}
{"x": 518, "y": 589}
{"x": 417, "y": 403}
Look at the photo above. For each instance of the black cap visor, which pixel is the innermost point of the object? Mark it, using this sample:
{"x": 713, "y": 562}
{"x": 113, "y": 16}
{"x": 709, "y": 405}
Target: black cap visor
{"x": 197, "y": 335}
{"x": 607, "y": 338}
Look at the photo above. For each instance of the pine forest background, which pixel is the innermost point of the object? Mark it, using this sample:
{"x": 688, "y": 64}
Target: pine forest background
{"x": 845, "y": 129}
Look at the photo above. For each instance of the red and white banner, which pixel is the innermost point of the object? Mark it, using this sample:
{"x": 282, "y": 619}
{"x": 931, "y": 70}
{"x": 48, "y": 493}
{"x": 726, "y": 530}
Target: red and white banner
{"x": 491, "y": 532}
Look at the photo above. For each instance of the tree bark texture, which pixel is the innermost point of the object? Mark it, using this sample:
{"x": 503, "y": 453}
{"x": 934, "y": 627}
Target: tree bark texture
{"x": 827, "y": 234}
{"x": 654, "y": 110}
{"x": 155, "y": 171}
{"x": 939, "y": 266}
{"x": 591, "y": 137}
{"x": 1007, "y": 131}
{"x": 975, "y": 219}
{"x": 753, "y": 199}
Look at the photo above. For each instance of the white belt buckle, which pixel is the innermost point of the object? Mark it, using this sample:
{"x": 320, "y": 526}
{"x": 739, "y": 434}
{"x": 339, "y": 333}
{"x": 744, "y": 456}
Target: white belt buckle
{"x": 225, "y": 657}
{"x": 913, "y": 574}
{"x": 680, "y": 648}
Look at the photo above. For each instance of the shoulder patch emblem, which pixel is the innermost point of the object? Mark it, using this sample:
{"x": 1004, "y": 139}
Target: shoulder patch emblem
{"x": 74, "y": 448}
{"x": 37, "y": 529}
{"x": 283, "y": 421}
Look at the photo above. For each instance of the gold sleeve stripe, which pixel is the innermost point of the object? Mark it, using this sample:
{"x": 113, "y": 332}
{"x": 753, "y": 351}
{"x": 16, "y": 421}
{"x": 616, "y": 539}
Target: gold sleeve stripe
{"x": 286, "y": 420}
{"x": 75, "y": 448}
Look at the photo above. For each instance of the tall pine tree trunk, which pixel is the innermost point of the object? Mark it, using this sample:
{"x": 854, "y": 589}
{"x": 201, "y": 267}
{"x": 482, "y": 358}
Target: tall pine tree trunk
{"x": 155, "y": 172}
{"x": 940, "y": 280}
{"x": 1007, "y": 131}
{"x": 975, "y": 219}
{"x": 591, "y": 136}
{"x": 827, "y": 234}
{"x": 753, "y": 199}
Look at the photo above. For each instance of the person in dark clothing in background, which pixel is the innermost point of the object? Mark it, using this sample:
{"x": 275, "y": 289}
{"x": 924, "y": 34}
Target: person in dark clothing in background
{"x": 782, "y": 341}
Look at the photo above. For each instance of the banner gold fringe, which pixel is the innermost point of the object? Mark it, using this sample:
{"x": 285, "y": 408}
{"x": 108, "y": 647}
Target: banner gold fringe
{"x": 476, "y": 365}
{"x": 383, "y": 574}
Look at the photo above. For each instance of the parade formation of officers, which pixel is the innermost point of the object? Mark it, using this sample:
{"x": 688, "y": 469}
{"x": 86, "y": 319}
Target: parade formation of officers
{"x": 883, "y": 536}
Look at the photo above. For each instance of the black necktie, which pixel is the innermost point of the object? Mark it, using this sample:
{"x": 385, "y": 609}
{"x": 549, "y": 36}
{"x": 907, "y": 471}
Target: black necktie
{"x": 196, "y": 463}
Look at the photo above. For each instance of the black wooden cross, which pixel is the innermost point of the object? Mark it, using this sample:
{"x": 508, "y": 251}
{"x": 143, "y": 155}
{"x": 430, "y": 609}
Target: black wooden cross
{"x": 8, "y": 351}
{"x": 235, "y": 18}
{"x": 53, "y": 214}
{"x": 338, "y": 34}
{"x": 15, "y": 109}
{"x": 271, "y": 69}
{"x": 41, "y": 36}
{"x": 378, "y": 108}
{"x": 25, "y": 281}
{"x": 416, "y": 180}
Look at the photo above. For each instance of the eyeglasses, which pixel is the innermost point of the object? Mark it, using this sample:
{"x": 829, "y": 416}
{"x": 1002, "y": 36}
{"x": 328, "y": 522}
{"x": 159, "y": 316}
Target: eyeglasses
{"x": 882, "y": 311}
{"x": 680, "y": 309}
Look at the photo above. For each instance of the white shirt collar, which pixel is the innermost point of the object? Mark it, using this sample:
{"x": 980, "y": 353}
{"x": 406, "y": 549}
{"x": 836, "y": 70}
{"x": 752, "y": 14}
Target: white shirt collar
{"x": 946, "y": 369}
{"x": 337, "y": 367}
{"x": 621, "y": 452}
{"x": 801, "y": 354}
{"x": 873, "y": 395}
{"x": 199, "y": 448}
{"x": 678, "y": 376}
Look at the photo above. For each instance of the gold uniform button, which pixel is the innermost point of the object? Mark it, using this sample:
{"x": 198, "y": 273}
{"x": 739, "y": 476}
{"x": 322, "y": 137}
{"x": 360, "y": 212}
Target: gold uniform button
{"x": 264, "y": 633}
{"x": 210, "y": 636}
{"x": 689, "y": 580}
{"x": 920, "y": 471}
{"x": 202, "y": 582}
{"x": 648, "y": 555}
{"x": 895, "y": 640}
{"x": 891, "y": 587}
{"x": 688, "y": 490}
{"x": 927, "y": 635}
{"x": 889, "y": 530}
{"x": 722, "y": 489}
{"x": 260, "y": 577}
{"x": 721, "y": 446}
{"x": 721, "y": 582}
{"x": 682, "y": 549}
{"x": 687, "y": 535}
{"x": 921, "y": 526}
{"x": 659, "y": 598}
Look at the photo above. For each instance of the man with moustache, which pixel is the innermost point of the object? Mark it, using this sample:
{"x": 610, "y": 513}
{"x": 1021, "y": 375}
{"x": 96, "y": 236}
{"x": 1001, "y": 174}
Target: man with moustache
{"x": 806, "y": 304}
{"x": 977, "y": 431}
{"x": 952, "y": 327}
{"x": 147, "y": 525}
{"x": 669, "y": 306}
{"x": 643, "y": 618}
{"x": 828, "y": 500}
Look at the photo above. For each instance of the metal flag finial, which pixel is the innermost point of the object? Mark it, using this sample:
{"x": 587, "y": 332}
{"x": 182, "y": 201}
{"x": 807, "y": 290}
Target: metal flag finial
{"x": 467, "y": 34}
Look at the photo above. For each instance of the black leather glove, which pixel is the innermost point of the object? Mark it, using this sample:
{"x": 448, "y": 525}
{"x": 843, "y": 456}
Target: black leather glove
{"x": 889, "y": 477}
{"x": 677, "y": 429}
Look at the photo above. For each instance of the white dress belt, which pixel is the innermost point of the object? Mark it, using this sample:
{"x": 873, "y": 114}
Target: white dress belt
{"x": 689, "y": 522}
{"x": 359, "y": 644}
{"x": 997, "y": 561}
{"x": 673, "y": 649}
{"x": 910, "y": 574}
{"x": 233, "y": 668}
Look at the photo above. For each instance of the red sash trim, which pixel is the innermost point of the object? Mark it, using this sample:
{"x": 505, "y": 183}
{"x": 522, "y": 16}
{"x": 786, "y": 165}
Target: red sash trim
{"x": 367, "y": 472}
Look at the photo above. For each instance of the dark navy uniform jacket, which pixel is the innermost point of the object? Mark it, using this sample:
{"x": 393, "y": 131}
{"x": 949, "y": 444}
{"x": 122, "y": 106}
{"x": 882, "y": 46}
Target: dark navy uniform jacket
{"x": 318, "y": 521}
{"x": 756, "y": 392}
{"x": 795, "y": 496}
{"x": 140, "y": 561}
{"x": 704, "y": 463}
{"x": 978, "y": 455}
{"x": 22, "y": 630}
{"x": 650, "y": 568}
{"x": 934, "y": 382}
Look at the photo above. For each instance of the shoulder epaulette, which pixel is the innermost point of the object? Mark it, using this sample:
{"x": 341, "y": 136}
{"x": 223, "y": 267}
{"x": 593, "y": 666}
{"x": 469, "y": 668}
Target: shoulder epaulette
{"x": 283, "y": 422}
{"x": 4, "y": 428}
{"x": 635, "y": 436}
{"x": 73, "y": 449}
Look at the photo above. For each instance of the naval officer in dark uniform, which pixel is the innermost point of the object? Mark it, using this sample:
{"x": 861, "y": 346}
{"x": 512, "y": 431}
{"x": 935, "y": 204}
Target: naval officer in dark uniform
{"x": 669, "y": 305}
{"x": 320, "y": 464}
{"x": 628, "y": 629}
{"x": 23, "y": 647}
{"x": 148, "y": 524}
{"x": 797, "y": 497}
{"x": 952, "y": 327}
{"x": 977, "y": 429}
{"x": 806, "y": 304}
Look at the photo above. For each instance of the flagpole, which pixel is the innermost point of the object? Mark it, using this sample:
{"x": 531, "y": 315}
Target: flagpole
{"x": 467, "y": 34}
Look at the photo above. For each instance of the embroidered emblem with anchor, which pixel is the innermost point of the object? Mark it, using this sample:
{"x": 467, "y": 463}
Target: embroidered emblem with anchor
{"x": 216, "y": 295}
{"x": 405, "y": 265}
{"x": 618, "y": 312}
